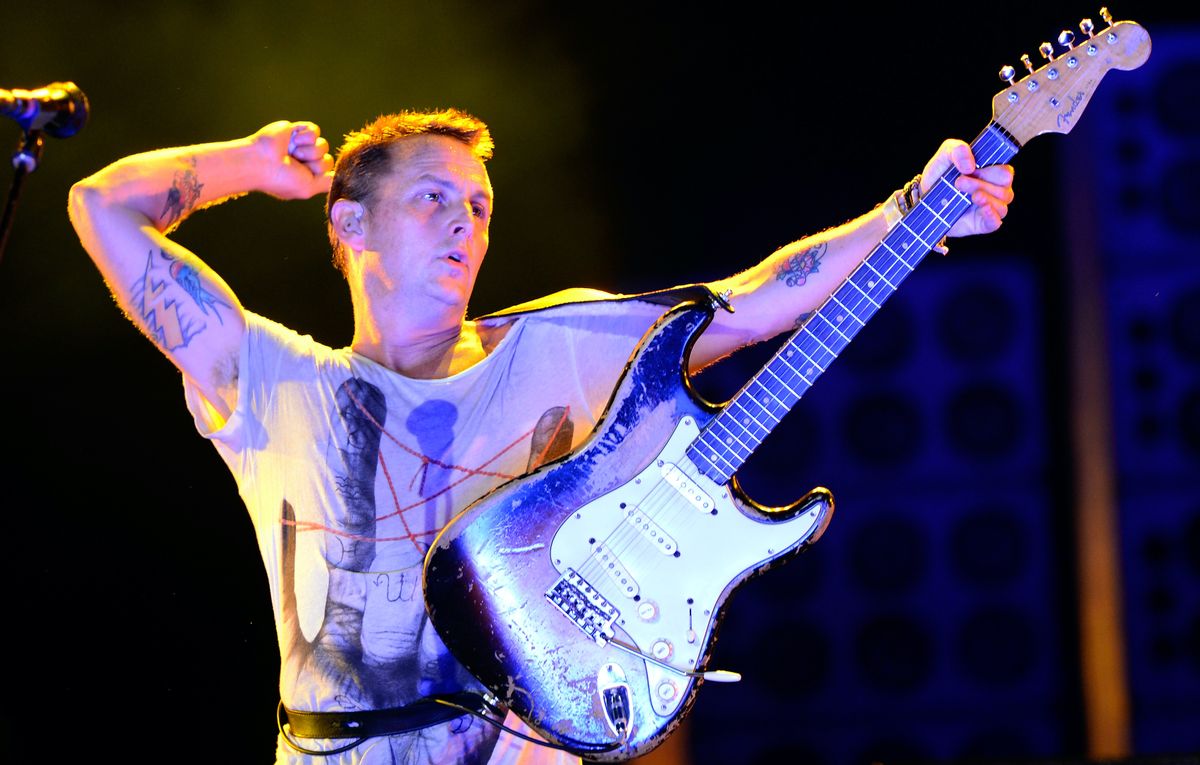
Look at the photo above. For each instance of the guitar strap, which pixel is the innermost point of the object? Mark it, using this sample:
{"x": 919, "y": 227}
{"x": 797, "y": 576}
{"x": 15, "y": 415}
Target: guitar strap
{"x": 426, "y": 711}
{"x": 688, "y": 293}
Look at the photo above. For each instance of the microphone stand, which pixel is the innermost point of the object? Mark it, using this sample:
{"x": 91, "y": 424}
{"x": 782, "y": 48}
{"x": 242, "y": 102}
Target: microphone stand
{"x": 25, "y": 161}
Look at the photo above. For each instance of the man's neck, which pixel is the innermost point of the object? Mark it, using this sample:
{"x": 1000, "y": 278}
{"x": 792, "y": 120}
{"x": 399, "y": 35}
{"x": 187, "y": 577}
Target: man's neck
{"x": 423, "y": 354}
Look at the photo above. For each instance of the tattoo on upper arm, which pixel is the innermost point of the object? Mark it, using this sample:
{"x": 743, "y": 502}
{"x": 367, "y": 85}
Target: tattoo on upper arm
{"x": 802, "y": 318}
{"x": 182, "y": 196}
{"x": 172, "y": 302}
{"x": 795, "y": 270}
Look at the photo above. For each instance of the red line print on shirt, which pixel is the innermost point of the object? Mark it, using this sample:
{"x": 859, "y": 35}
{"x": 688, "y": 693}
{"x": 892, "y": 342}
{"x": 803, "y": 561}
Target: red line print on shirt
{"x": 551, "y": 438}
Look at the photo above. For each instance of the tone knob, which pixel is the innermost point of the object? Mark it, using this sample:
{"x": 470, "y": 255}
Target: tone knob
{"x": 661, "y": 650}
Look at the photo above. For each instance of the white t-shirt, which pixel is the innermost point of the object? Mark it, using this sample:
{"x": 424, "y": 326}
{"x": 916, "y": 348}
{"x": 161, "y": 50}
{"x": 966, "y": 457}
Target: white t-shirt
{"x": 349, "y": 470}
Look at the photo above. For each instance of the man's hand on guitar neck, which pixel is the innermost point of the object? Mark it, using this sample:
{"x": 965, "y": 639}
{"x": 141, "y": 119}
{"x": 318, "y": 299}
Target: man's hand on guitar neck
{"x": 990, "y": 188}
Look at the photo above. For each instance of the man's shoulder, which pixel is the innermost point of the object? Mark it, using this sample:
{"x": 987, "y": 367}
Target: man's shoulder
{"x": 273, "y": 343}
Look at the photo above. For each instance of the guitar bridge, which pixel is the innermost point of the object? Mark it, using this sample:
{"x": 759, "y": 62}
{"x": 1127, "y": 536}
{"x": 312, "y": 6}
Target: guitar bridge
{"x": 584, "y": 606}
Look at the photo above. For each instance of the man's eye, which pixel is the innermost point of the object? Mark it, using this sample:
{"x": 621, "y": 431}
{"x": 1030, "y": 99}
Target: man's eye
{"x": 479, "y": 211}
{"x": 433, "y": 196}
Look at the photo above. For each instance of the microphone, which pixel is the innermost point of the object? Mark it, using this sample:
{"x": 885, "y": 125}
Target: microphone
{"x": 60, "y": 109}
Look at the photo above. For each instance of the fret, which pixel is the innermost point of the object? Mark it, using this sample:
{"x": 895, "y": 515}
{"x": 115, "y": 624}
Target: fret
{"x": 867, "y": 263}
{"x": 834, "y": 298}
{"x": 758, "y": 430}
{"x": 731, "y": 442}
{"x": 833, "y": 326}
{"x": 823, "y": 345}
{"x": 764, "y": 397}
{"x": 914, "y": 233}
{"x": 714, "y": 455}
{"x": 864, "y": 293}
{"x": 813, "y": 353}
{"x": 789, "y": 377}
{"x": 804, "y": 375}
{"x": 810, "y": 361}
{"x": 771, "y": 372}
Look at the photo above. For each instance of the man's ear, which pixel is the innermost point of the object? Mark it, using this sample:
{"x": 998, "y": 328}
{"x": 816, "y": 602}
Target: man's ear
{"x": 346, "y": 215}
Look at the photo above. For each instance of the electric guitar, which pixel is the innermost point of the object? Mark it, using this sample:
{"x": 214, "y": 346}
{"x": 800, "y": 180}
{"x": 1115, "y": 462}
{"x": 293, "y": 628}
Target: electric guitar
{"x": 587, "y": 594}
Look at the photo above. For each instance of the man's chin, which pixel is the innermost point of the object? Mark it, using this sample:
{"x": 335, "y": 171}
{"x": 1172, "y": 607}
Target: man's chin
{"x": 453, "y": 296}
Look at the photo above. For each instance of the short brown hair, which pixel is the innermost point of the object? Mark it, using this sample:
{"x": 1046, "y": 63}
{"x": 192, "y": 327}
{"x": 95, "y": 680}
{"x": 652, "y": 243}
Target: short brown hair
{"x": 366, "y": 155}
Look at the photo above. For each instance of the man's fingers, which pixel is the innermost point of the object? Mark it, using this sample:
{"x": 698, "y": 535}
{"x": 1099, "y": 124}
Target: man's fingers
{"x": 322, "y": 168}
{"x": 995, "y": 181}
{"x": 309, "y": 152}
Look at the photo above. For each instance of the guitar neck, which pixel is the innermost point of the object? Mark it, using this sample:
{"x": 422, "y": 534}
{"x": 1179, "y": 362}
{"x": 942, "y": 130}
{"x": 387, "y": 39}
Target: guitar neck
{"x": 732, "y": 436}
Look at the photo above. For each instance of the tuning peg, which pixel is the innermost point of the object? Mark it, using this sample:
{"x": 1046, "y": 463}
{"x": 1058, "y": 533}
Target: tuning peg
{"x": 1028, "y": 64}
{"x": 1104, "y": 14}
{"x": 1047, "y": 51}
{"x": 1065, "y": 38}
{"x": 1007, "y": 73}
{"x": 1087, "y": 27}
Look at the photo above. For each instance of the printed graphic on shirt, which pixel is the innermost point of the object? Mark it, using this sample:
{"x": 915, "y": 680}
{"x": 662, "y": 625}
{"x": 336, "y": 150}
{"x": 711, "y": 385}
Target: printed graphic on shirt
{"x": 399, "y": 483}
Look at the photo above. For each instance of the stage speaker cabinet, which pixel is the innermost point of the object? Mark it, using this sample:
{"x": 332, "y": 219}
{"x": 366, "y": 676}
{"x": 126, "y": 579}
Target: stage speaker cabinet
{"x": 1143, "y": 139}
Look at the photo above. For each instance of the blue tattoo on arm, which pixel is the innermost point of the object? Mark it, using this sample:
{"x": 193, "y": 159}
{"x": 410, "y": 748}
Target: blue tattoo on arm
{"x": 172, "y": 301}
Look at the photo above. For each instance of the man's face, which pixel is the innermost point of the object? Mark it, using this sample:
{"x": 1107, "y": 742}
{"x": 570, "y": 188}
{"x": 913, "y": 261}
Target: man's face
{"x": 427, "y": 231}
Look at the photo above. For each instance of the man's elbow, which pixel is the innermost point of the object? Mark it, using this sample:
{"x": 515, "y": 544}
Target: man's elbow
{"x": 83, "y": 200}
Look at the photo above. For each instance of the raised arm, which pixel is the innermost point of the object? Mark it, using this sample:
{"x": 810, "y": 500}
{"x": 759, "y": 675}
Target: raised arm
{"x": 780, "y": 292}
{"x": 124, "y": 212}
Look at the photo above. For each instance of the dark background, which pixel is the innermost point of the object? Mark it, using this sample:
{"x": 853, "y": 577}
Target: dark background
{"x": 639, "y": 147}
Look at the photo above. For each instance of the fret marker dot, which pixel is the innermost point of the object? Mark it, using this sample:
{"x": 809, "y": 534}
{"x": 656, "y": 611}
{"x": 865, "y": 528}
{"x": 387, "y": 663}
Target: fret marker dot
{"x": 871, "y": 284}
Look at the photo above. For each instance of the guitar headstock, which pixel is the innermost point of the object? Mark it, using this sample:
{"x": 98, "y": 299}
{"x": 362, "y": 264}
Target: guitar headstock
{"x": 1050, "y": 99}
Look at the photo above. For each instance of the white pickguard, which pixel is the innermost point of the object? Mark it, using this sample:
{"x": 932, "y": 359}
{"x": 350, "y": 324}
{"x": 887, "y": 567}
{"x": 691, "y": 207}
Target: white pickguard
{"x": 662, "y": 548}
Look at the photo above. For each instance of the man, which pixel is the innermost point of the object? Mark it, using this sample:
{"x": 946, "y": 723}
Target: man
{"x": 351, "y": 460}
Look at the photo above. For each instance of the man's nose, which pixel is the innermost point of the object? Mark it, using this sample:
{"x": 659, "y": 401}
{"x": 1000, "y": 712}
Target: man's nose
{"x": 460, "y": 219}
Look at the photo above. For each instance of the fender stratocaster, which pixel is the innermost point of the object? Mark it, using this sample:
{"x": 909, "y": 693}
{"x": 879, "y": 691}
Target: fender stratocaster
{"x": 586, "y": 595}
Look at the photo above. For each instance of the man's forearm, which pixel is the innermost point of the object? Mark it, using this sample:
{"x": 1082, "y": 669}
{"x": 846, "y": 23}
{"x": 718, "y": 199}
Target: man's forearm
{"x": 779, "y": 292}
{"x": 166, "y": 185}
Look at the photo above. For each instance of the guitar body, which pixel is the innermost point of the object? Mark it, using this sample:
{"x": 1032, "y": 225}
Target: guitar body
{"x": 621, "y": 542}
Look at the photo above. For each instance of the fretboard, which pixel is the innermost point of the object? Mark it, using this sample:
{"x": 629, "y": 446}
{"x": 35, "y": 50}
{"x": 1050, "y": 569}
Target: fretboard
{"x": 730, "y": 437}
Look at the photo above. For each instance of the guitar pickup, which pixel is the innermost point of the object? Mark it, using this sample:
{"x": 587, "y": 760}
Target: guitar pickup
{"x": 686, "y": 486}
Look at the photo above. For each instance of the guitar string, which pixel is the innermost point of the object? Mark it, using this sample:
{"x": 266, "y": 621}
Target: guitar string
{"x": 624, "y": 537}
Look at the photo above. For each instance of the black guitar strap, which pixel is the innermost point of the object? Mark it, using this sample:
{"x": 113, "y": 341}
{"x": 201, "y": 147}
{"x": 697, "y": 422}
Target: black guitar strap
{"x": 359, "y": 726}
{"x": 688, "y": 293}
